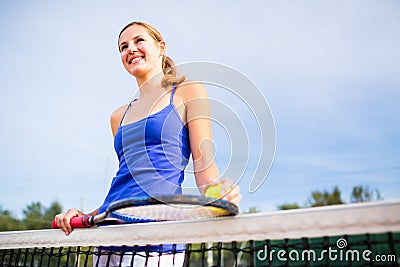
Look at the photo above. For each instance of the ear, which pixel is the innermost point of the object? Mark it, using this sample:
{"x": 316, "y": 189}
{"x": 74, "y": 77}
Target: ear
{"x": 162, "y": 47}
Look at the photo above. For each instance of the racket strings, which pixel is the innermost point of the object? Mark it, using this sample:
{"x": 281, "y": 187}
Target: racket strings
{"x": 172, "y": 212}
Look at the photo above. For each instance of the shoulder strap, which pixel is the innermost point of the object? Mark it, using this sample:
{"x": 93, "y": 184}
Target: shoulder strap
{"x": 126, "y": 110}
{"x": 172, "y": 94}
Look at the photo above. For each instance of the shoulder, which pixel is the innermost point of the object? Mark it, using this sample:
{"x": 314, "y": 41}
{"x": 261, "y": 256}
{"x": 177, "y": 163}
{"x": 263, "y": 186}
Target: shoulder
{"x": 116, "y": 118}
{"x": 118, "y": 113}
{"x": 195, "y": 99}
{"x": 190, "y": 90}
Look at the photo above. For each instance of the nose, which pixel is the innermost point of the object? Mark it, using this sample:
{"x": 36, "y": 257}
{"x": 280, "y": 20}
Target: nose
{"x": 132, "y": 47}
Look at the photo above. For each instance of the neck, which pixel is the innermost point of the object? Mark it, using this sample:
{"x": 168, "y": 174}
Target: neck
{"x": 150, "y": 80}
{"x": 149, "y": 83}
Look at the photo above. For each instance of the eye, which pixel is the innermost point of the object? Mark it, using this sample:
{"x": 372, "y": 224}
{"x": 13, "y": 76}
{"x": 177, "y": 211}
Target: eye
{"x": 139, "y": 40}
{"x": 123, "y": 47}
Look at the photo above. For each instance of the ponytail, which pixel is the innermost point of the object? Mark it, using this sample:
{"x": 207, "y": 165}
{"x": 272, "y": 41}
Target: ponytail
{"x": 170, "y": 73}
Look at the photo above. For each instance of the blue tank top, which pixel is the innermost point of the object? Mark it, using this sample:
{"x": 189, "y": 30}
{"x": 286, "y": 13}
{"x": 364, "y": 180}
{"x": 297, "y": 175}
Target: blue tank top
{"x": 153, "y": 154}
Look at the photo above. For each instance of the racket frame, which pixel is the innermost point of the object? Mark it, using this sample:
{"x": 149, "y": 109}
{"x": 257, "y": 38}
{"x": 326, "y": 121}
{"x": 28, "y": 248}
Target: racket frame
{"x": 89, "y": 221}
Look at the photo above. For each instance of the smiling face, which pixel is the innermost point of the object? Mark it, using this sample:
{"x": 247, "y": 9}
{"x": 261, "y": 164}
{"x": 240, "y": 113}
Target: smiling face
{"x": 141, "y": 53}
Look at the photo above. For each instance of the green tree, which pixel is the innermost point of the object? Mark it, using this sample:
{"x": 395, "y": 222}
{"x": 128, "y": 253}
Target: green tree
{"x": 8, "y": 222}
{"x": 359, "y": 193}
{"x": 288, "y": 206}
{"x": 252, "y": 209}
{"x": 54, "y": 209}
{"x": 325, "y": 198}
{"x": 33, "y": 216}
{"x": 364, "y": 194}
{"x": 36, "y": 216}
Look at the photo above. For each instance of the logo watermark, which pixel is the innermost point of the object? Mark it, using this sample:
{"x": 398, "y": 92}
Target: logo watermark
{"x": 339, "y": 253}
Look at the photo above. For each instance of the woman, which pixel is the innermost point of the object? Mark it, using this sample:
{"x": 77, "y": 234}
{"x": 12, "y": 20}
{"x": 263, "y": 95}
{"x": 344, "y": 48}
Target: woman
{"x": 155, "y": 134}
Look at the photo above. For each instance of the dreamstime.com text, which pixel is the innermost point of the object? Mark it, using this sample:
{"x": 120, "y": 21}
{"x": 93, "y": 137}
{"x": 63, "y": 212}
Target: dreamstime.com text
{"x": 331, "y": 254}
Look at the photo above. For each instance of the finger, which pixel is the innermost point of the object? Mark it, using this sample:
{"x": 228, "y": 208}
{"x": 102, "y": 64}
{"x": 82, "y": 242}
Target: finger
{"x": 236, "y": 200}
{"x": 67, "y": 225}
{"x": 226, "y": 187}
{"x": 65, "y": 220}
{"x": 57, "y": 219}
{"x": 61, "y": 224}
{"x": 233, "y": 193}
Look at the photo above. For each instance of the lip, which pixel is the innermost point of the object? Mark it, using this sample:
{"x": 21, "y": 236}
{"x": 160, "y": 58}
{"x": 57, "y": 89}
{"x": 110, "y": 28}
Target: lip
{"x": 135, "y": 59}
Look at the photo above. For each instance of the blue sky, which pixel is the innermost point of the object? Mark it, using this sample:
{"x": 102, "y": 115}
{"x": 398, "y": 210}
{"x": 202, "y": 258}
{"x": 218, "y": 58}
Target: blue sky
{"x": 329, "y": 70}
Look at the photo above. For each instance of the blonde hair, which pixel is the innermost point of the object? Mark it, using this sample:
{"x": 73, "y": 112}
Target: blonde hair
{"x": 171, "y": 76}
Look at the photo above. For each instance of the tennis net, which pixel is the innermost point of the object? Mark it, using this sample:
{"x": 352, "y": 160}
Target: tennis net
{"x": 365, "y": 234}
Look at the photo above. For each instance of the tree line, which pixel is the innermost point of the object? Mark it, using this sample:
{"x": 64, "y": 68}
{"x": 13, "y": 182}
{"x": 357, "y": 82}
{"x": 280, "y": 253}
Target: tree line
{"x": 35, "y": 216}
{"x": 358, "y": 194}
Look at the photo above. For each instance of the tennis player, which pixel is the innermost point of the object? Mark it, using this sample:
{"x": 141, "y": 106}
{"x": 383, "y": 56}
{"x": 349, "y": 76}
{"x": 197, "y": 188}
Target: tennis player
{"x": 155, "y": 134}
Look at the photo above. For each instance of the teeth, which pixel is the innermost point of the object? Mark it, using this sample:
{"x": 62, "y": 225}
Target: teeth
{"x": 136, "y": 60}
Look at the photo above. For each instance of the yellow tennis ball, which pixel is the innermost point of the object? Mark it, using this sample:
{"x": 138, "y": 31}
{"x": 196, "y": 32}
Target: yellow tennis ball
{"x": 213, "y": 191}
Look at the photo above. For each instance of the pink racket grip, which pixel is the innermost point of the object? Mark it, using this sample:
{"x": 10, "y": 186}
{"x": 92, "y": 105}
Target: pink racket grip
{"x": 76, "y": 222}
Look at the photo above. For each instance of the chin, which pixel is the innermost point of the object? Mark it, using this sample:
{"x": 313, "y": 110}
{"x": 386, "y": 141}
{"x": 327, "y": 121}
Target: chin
{"x": 136, "y": 71}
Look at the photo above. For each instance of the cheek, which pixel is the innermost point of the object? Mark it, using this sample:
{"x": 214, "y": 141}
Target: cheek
{"x": 123, "y": 57}
{"x": 141, "y": 48}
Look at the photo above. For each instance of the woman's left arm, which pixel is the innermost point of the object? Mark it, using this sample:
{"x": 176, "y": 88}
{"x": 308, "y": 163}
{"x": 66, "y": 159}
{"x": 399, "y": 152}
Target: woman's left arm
{"x": 197, "y": 108}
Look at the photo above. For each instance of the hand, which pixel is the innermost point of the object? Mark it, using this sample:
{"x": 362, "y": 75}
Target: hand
{"x": 63, "y": 220}
{"x": 229, "y": 191}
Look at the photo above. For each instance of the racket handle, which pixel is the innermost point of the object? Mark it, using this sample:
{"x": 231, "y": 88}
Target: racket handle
{"x": 76, "y": 222}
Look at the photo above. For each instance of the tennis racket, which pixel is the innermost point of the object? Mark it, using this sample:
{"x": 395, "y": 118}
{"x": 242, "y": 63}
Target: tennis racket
{"x": 162, "y": 208}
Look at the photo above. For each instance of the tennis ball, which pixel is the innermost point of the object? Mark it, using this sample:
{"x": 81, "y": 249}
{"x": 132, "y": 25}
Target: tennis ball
{"x": 213, "y": 191}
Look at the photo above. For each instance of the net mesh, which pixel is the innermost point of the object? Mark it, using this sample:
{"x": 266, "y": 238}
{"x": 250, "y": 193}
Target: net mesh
{"x": 344, "y": 235}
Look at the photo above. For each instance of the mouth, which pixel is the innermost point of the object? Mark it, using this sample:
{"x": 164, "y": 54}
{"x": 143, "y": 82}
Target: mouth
{"x": 135, "y": 59}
